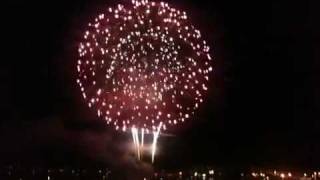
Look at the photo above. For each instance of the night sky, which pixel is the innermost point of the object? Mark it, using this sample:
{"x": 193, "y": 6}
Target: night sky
{"x": 264, "y": 97}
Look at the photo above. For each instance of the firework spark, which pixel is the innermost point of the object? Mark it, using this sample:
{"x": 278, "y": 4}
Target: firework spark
{"x": 143, "y": 66}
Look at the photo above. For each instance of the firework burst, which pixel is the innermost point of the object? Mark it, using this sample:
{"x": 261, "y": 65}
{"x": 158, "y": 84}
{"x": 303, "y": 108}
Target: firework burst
{"x": 143, "y": 67}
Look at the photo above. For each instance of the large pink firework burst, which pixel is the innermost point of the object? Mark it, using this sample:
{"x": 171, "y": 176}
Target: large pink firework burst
{"x": 142, "y": 65}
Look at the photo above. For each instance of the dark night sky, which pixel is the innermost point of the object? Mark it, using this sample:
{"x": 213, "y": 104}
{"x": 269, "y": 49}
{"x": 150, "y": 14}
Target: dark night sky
{"x": 262, "y": 110}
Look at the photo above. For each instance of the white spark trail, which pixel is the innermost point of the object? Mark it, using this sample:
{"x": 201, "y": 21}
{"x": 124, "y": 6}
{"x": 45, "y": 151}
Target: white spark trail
{"x": 155, "y": 140}
{"x": 138, "y": 144}
{"x": 133, "y": 137}
{"x": 142, "y": 141}
{"x": 136, "y": 141}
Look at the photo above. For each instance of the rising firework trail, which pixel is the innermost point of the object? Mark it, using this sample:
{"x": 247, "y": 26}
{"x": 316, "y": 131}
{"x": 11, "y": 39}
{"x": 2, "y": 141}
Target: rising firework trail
{"x": 142, "y": 141}
{"x": 155, "y": 140}
{"x": 143, "y": 66}
{"x": 137, "y": 145}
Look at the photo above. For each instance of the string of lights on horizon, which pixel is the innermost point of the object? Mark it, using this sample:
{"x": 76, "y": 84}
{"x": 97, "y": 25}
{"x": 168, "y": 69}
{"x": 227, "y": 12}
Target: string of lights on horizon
{"x": 195, "y": 172}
